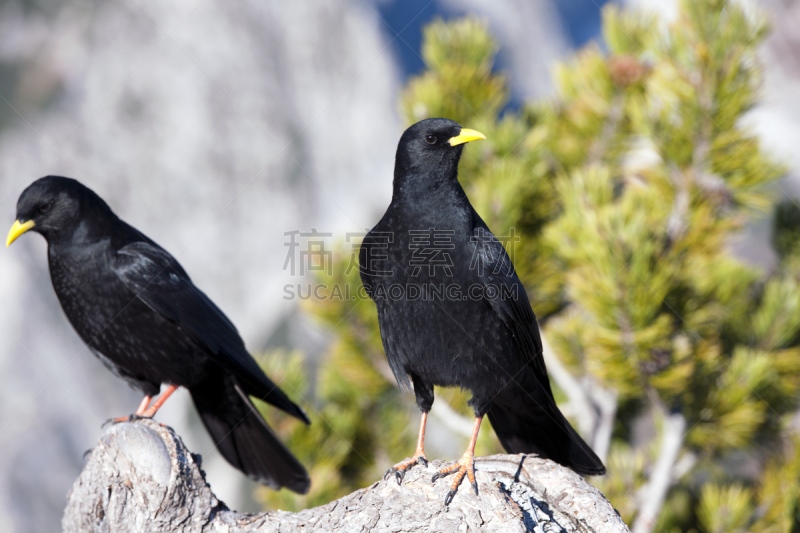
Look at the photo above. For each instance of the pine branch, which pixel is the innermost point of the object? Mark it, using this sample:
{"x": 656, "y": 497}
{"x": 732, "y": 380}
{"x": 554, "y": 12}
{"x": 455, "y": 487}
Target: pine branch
{"x": 141, "y": 477}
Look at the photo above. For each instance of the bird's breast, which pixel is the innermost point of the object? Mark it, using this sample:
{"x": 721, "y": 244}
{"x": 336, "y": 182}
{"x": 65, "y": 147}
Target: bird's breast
{"x": 83, "y": 279}
{"x": 119, "y": 326}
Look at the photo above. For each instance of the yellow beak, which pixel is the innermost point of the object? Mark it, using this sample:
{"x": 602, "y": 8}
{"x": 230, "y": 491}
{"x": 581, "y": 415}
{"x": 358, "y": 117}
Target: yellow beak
{"x": 18, "y": 229}
{"x": 466, "y": 136}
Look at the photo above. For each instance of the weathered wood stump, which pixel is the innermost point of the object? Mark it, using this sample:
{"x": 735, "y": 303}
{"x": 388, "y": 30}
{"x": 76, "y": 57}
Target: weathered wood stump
{"x": 140, "y": 477}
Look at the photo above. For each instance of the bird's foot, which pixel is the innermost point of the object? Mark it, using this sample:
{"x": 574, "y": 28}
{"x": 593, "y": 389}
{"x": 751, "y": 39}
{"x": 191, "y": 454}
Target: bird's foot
{"x": 129, "y": 418}
{"x": 149, "y": 413}
{"x": 464, "y": 466}
{"x": 399, "y": 470}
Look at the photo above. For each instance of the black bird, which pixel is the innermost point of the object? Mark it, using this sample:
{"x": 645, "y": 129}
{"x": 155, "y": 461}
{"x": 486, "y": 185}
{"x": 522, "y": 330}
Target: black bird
{"x": 138, "y": 311}
{"x": 453, "y": 312}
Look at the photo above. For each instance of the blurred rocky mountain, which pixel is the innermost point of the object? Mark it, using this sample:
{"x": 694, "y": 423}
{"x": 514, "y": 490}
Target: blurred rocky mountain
{"x": 214, "y": 128}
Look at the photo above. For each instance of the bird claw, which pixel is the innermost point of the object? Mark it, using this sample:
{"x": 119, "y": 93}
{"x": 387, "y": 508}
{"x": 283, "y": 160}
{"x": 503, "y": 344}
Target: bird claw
{"x": 444, "y": 472}
{"x": 399, "y": 474}
{"x": 440, "y": 474}
{"x": 120, "y": 419}
{"x": 399, "y": 470}
{"x": 452, "y": 493}
{"x": 463, "y": 468}
{"x": 115, "y": 420}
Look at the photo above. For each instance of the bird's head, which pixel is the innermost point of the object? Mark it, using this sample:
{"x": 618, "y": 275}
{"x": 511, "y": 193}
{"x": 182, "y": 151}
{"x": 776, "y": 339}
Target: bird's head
{"x": 54, "y": 207}
{"x": 431, "y": 148}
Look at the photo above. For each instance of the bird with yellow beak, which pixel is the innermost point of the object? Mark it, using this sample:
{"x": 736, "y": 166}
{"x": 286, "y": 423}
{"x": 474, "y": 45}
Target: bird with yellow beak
{"x": 137, "y": 309}
{"x": 468, "y": 322}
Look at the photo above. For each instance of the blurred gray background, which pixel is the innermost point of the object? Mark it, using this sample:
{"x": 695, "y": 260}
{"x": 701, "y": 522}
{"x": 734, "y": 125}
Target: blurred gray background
{"x": 215, "y": 127}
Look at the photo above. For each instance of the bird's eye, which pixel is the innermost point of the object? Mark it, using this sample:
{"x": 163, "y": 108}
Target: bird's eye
{"x": 45, "y": 207}
{"x": 430, "y": 139}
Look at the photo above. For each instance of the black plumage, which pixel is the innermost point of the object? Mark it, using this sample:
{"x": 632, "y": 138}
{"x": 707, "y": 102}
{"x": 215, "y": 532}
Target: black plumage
{"x": 478, "y": 331}
{"x": 137, "y": 309}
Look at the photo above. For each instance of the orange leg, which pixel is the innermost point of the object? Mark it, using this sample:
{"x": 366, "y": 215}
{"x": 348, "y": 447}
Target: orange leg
{"x": 399, "y": 470}
{"x": 465, "y": 465}
{"x": 149, "y": 413}
{"x": 143, "y": 411}
{"x": 143, "y": 405}
{"x": 139, "y": 411}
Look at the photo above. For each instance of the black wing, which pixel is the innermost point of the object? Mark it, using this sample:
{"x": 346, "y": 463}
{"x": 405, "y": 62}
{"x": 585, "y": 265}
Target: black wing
{"x": 159, "y": 281}
{"x": 495, "y": 271}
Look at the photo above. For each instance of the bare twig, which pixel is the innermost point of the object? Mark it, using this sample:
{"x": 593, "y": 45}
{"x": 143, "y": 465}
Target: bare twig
{"x": 615, "y": 114}
{"x": 593, "y": 406}
{"x": 580, "y": 403}
{"x": 678, "y": 220}
{"x": 605, "y": 401}
{"x": 652, "y": 495}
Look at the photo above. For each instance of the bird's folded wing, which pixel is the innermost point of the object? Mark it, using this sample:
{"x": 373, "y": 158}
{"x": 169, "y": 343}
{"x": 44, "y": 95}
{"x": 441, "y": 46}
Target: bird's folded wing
{"x": 494, "y": 269}
{"x": 159, "y": 281}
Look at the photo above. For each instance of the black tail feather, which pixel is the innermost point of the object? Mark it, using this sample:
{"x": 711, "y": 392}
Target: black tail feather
{"x": 528, "y": 421}
{"x": 266, "y": 390}
{"x": 244, "y": 438}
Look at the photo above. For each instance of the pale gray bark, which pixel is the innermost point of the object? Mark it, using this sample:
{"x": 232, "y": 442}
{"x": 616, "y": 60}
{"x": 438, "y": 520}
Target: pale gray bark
{"x": 141, "y": 477}
{"x": 652, "y": 495}
{"x": 593, "y": 406}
